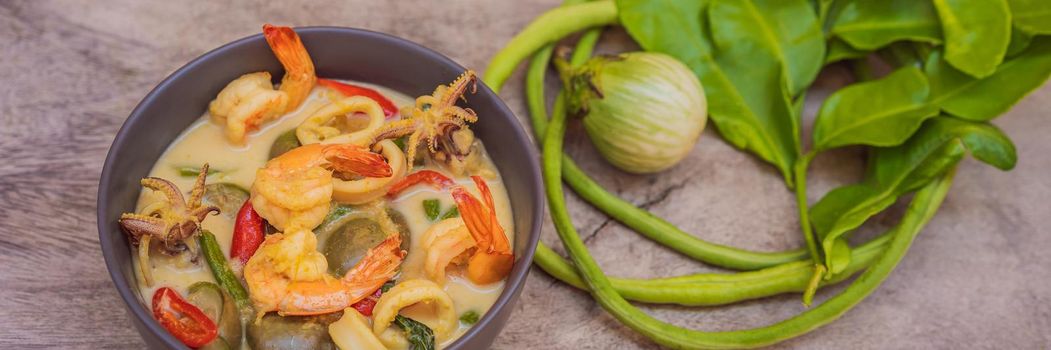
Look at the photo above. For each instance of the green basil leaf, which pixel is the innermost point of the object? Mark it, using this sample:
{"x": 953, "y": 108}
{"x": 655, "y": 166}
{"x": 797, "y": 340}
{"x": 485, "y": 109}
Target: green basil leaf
{"x": 469, "y": 318}
{"x": 192, "y": 171}
{"x": 984, "y": 99}
{"x": 400, "y": 142}
{"x": 452, "y": 212}
{"x": 871, "y": 24}
{"x": 747, "y": 101}
{"x": 839, "y": 50}
{"x": 432, "y": 208}
{"x": 387, "y": 286}
{"x": 882, "y": 112}
{"x": 976, "y": 33}
{"x": 419, "y": 336}
{"x": 786, "y": 30}
{"x": 1033, "y": 16}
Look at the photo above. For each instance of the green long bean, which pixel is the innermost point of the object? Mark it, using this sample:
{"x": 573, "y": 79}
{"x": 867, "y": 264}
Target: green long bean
{"x": 707, "y": 289}
{"x": 537, "y": 71}
{"x": 531, "y": 39}
{"x": 221, "y": 270}
{"x": 922, "y": 208}
{"x": 546, "y": 29}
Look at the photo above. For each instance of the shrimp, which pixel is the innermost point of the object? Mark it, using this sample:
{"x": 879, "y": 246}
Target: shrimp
{"x": 368, "y": 189}
{"x": 288, "y": 275}
{"x": 251, "y": 100}
{"x": 295, "y": 189}
{"x": 450, "y": 241}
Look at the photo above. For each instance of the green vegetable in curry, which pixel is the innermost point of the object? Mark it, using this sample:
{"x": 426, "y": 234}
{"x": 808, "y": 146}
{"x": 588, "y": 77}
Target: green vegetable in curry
{"x": 469, "y": 318}
{"x": 347, "y": 233}
{"x": 432, "y": 208}
{"x": 346, "y": 247}
{"x": 226, "y": 196}
{"x": 420, "y": 336}
{"x": 284, "y": 143}
{"x": 274, "y": 332}
{"x": 221, "y": 270}
{"x": 191, "y": 171}
{"x": 222, "y": 309}
{"x": 452, "y": 212}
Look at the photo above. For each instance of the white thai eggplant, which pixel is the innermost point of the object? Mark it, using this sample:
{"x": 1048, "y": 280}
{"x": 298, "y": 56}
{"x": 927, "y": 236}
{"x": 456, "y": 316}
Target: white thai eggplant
{"x": 643, "y": 111}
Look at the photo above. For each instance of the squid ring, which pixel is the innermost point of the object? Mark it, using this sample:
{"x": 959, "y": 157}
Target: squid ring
{"x": 352, "y": 332}
{"x": 368, "y": 189}
{"x": 411, "y": 292}
{"x": 318, "y": 127}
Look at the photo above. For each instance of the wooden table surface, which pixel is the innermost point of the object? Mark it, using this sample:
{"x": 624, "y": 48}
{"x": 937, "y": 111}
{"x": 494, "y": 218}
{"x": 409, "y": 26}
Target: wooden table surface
{"x": 71, "y": 71}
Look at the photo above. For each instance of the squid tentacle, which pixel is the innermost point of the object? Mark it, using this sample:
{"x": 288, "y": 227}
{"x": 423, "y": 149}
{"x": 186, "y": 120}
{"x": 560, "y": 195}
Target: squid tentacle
{"x": 198, "y": 188}
{"x": 168, "y": 189}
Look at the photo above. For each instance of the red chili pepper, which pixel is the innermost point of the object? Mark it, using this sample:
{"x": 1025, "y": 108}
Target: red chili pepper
{"x": 185, "y": 321}
{"x": 389, "y": 109}
{"x": 366, "y": 305}
{"x": 249, "y": 231}
{"x": 434, "y": 178}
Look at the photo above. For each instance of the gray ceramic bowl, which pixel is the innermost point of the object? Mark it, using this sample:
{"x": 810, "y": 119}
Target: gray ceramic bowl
{"x": 338, "y": 53}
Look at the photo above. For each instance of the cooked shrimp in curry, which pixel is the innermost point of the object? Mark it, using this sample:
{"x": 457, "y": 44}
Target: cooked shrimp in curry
{"x": 310, "y": 215}
{"x": 251, "y": 100}
{"x": 296, "y": 187}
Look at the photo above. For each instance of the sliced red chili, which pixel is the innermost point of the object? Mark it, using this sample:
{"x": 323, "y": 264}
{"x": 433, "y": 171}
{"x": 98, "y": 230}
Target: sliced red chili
{"x": 389, "y": 109}
{"x": 366, "y": 305}
{"x": 431, "y": 177}
{"x": 183, "y": 320}
{"x": 249, "y": 232}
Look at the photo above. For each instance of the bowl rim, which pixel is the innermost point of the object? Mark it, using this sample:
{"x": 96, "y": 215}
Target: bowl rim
{"x": 512, "y": 285}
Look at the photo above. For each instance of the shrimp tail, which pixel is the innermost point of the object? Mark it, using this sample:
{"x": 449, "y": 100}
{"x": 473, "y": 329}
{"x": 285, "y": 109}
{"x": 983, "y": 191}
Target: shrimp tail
{"x": 328, "y": 295}
{"x": 493, "y": 259}
{"x": 379, "y": 264}
{"x": 299, "y": 76}
{"x": 357, "y": 160}
{"x": 474, "y": 217}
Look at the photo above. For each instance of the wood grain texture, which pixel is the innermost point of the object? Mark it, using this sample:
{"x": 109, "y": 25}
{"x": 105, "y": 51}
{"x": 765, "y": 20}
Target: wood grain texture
{"x": 71, "y": 71}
